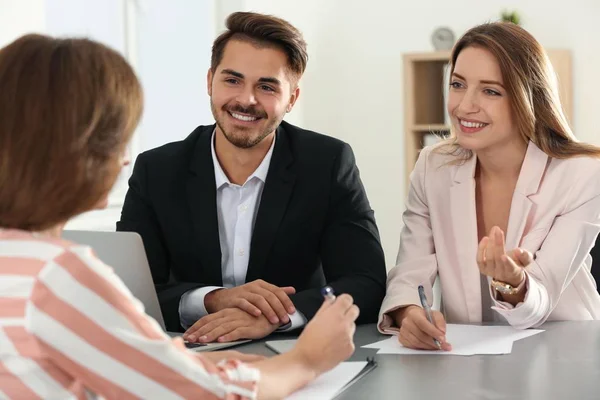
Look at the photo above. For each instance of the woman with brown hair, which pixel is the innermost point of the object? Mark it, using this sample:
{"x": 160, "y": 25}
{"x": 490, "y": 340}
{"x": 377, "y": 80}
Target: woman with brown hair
{"x": 69, "y": 328}
{"x": 507, "y": 209}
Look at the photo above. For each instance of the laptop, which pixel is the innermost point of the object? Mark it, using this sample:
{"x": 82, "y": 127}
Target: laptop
{"x": 124, "y": 252}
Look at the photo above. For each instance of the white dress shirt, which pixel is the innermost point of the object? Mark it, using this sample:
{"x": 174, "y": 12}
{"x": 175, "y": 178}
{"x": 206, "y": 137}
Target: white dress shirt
{"x": 237, "y": 207}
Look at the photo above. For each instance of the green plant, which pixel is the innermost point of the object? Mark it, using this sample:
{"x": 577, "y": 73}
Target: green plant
{"x": 511, "y": 16}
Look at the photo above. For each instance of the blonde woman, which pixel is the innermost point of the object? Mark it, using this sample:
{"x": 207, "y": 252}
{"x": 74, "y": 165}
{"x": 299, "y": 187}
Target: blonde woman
{"x": 506, "y": 210}
{"x": 69, "y": 328}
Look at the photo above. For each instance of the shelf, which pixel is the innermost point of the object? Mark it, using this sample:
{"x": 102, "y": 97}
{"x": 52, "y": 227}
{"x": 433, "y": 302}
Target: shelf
{"x": 430, "y": 127}
{"x": 428, "y": 56}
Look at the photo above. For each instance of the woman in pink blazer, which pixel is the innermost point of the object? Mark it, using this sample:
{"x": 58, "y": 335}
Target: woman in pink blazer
{"x": 506, "y": 210}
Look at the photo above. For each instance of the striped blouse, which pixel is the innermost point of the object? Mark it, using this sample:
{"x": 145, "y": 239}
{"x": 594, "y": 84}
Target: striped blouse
{"x": 70, "y": 329}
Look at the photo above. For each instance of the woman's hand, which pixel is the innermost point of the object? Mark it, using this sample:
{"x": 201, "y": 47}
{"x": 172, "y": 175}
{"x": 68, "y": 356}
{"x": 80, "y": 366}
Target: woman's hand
{"x": 327, "y": 339}
{"x": 493, "y": 261}
{"x": 416, "y": 332}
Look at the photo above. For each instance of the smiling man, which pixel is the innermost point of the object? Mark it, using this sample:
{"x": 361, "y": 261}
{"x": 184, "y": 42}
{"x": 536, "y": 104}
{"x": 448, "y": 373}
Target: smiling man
{"x": 244, "y": 221}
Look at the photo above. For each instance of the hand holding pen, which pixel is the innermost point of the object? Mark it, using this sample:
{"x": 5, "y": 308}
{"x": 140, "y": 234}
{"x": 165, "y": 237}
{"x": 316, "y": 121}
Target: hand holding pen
{"x": 425, "y": 305}
{"x": 327, "y": 339}
{"x": 422, "y": 328}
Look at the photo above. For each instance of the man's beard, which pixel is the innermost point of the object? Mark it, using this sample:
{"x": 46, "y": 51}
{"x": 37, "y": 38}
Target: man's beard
{"x": 243, "y": 141}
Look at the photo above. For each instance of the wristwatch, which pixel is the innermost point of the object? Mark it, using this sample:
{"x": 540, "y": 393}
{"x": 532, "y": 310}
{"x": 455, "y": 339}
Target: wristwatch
{"x": 507, "y": 288}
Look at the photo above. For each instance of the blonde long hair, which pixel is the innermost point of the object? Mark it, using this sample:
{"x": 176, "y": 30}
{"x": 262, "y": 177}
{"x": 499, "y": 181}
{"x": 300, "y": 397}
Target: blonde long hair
{"x": 532, "y": 87}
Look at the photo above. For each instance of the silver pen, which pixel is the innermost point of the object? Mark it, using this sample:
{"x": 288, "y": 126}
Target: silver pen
{"x": 427, "y": 309}
{"x": 327, "y": 292}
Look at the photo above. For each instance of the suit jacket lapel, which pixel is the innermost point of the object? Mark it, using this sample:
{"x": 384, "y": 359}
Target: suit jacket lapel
{"x": 464, "y": 225}
{"x": 528, "y": 183}
{"x": 202, "y": 198}
{"x": 273, "y": 204}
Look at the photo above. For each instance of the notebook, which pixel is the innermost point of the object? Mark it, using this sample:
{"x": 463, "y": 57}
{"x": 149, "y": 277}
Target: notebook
{"x": 333, "y": 383}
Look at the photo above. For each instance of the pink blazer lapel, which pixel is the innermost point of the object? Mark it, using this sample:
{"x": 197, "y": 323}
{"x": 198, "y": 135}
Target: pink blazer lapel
{"x": 530, "y": 177}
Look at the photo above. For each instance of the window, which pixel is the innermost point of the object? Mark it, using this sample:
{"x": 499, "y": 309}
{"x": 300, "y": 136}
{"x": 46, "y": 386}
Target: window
{"x": 168, "y": 44}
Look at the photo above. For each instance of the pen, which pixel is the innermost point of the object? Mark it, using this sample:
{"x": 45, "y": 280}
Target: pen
{"x": 427, "y": 309}
{"x": 327, "y": 292}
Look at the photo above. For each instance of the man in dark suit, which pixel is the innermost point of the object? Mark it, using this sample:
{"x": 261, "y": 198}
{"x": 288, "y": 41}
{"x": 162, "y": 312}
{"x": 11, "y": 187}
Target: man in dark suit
{"x": 244, "y": 221}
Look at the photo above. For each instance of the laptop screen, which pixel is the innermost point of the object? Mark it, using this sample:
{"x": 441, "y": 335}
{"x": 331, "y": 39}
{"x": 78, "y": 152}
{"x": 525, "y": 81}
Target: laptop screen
{"x": 124, "y": 252}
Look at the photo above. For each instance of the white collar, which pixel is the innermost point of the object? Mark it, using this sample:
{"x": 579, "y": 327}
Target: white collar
{"x": 260, "y": 172}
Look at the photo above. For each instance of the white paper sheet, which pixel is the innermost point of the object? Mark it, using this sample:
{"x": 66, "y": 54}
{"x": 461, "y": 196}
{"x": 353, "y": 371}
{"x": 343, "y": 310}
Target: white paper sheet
{"x": 466, "y": 340}
{"x": 328, "y": 385}
{"x": 281, "y": 346}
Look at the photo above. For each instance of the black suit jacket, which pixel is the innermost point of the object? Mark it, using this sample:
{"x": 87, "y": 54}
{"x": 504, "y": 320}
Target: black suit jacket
{"x": 314, "y": 221}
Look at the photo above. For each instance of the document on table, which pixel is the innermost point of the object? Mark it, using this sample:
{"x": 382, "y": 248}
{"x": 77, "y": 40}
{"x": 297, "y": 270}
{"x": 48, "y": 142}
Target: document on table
{"x": 333, "y": 382}
{"x": 466, "y": 340}
{"x": 281, "y": 346}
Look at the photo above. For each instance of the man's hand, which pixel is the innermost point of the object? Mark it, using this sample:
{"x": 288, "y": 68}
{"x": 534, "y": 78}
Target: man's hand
{"x": 229, "y": 325}
{"x": 256, "y": 298}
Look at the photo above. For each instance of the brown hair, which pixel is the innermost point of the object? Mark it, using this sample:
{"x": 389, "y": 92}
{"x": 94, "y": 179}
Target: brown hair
{"x": 68, "y": 107}
{"x": 263, "y": 30}
{"x": 532, "y": 88}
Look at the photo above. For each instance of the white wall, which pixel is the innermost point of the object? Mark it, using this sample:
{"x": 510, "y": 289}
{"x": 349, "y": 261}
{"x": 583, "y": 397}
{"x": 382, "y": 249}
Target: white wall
{"x": 98, "y": 20}
{"x": 20, "y": 17}
{"x": 352, "y": 88}
{"x": 175, "y": 39}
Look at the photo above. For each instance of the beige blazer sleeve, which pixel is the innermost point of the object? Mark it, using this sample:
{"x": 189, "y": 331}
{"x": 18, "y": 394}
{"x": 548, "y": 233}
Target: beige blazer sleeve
{"x": 416, "y": 263}
{"x": 558, "y": 262}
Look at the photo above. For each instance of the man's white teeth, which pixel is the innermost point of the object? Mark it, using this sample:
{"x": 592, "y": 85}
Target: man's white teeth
{"x": 243, "y": 117}
{"x": 472, "y": 124}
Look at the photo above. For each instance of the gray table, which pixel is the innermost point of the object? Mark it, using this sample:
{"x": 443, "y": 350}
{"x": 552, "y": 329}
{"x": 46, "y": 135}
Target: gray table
{"x": 561, "y": 363}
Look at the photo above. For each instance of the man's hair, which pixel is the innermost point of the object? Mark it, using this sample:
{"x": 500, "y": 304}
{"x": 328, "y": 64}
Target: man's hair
{"x": 68, "y": 107}
{"x": 263, "y": 31}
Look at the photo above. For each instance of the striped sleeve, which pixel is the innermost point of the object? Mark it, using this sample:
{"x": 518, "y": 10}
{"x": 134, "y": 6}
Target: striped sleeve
{"x": 87, "y": 321}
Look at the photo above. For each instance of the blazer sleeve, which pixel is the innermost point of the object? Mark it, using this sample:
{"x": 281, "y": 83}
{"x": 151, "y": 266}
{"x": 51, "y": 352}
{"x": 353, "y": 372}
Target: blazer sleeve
{"x": 416, "y": 263}
{"x": 138, "y": 215}
{"x": 350, "y": 249}
{"x": 559, "y": 259}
